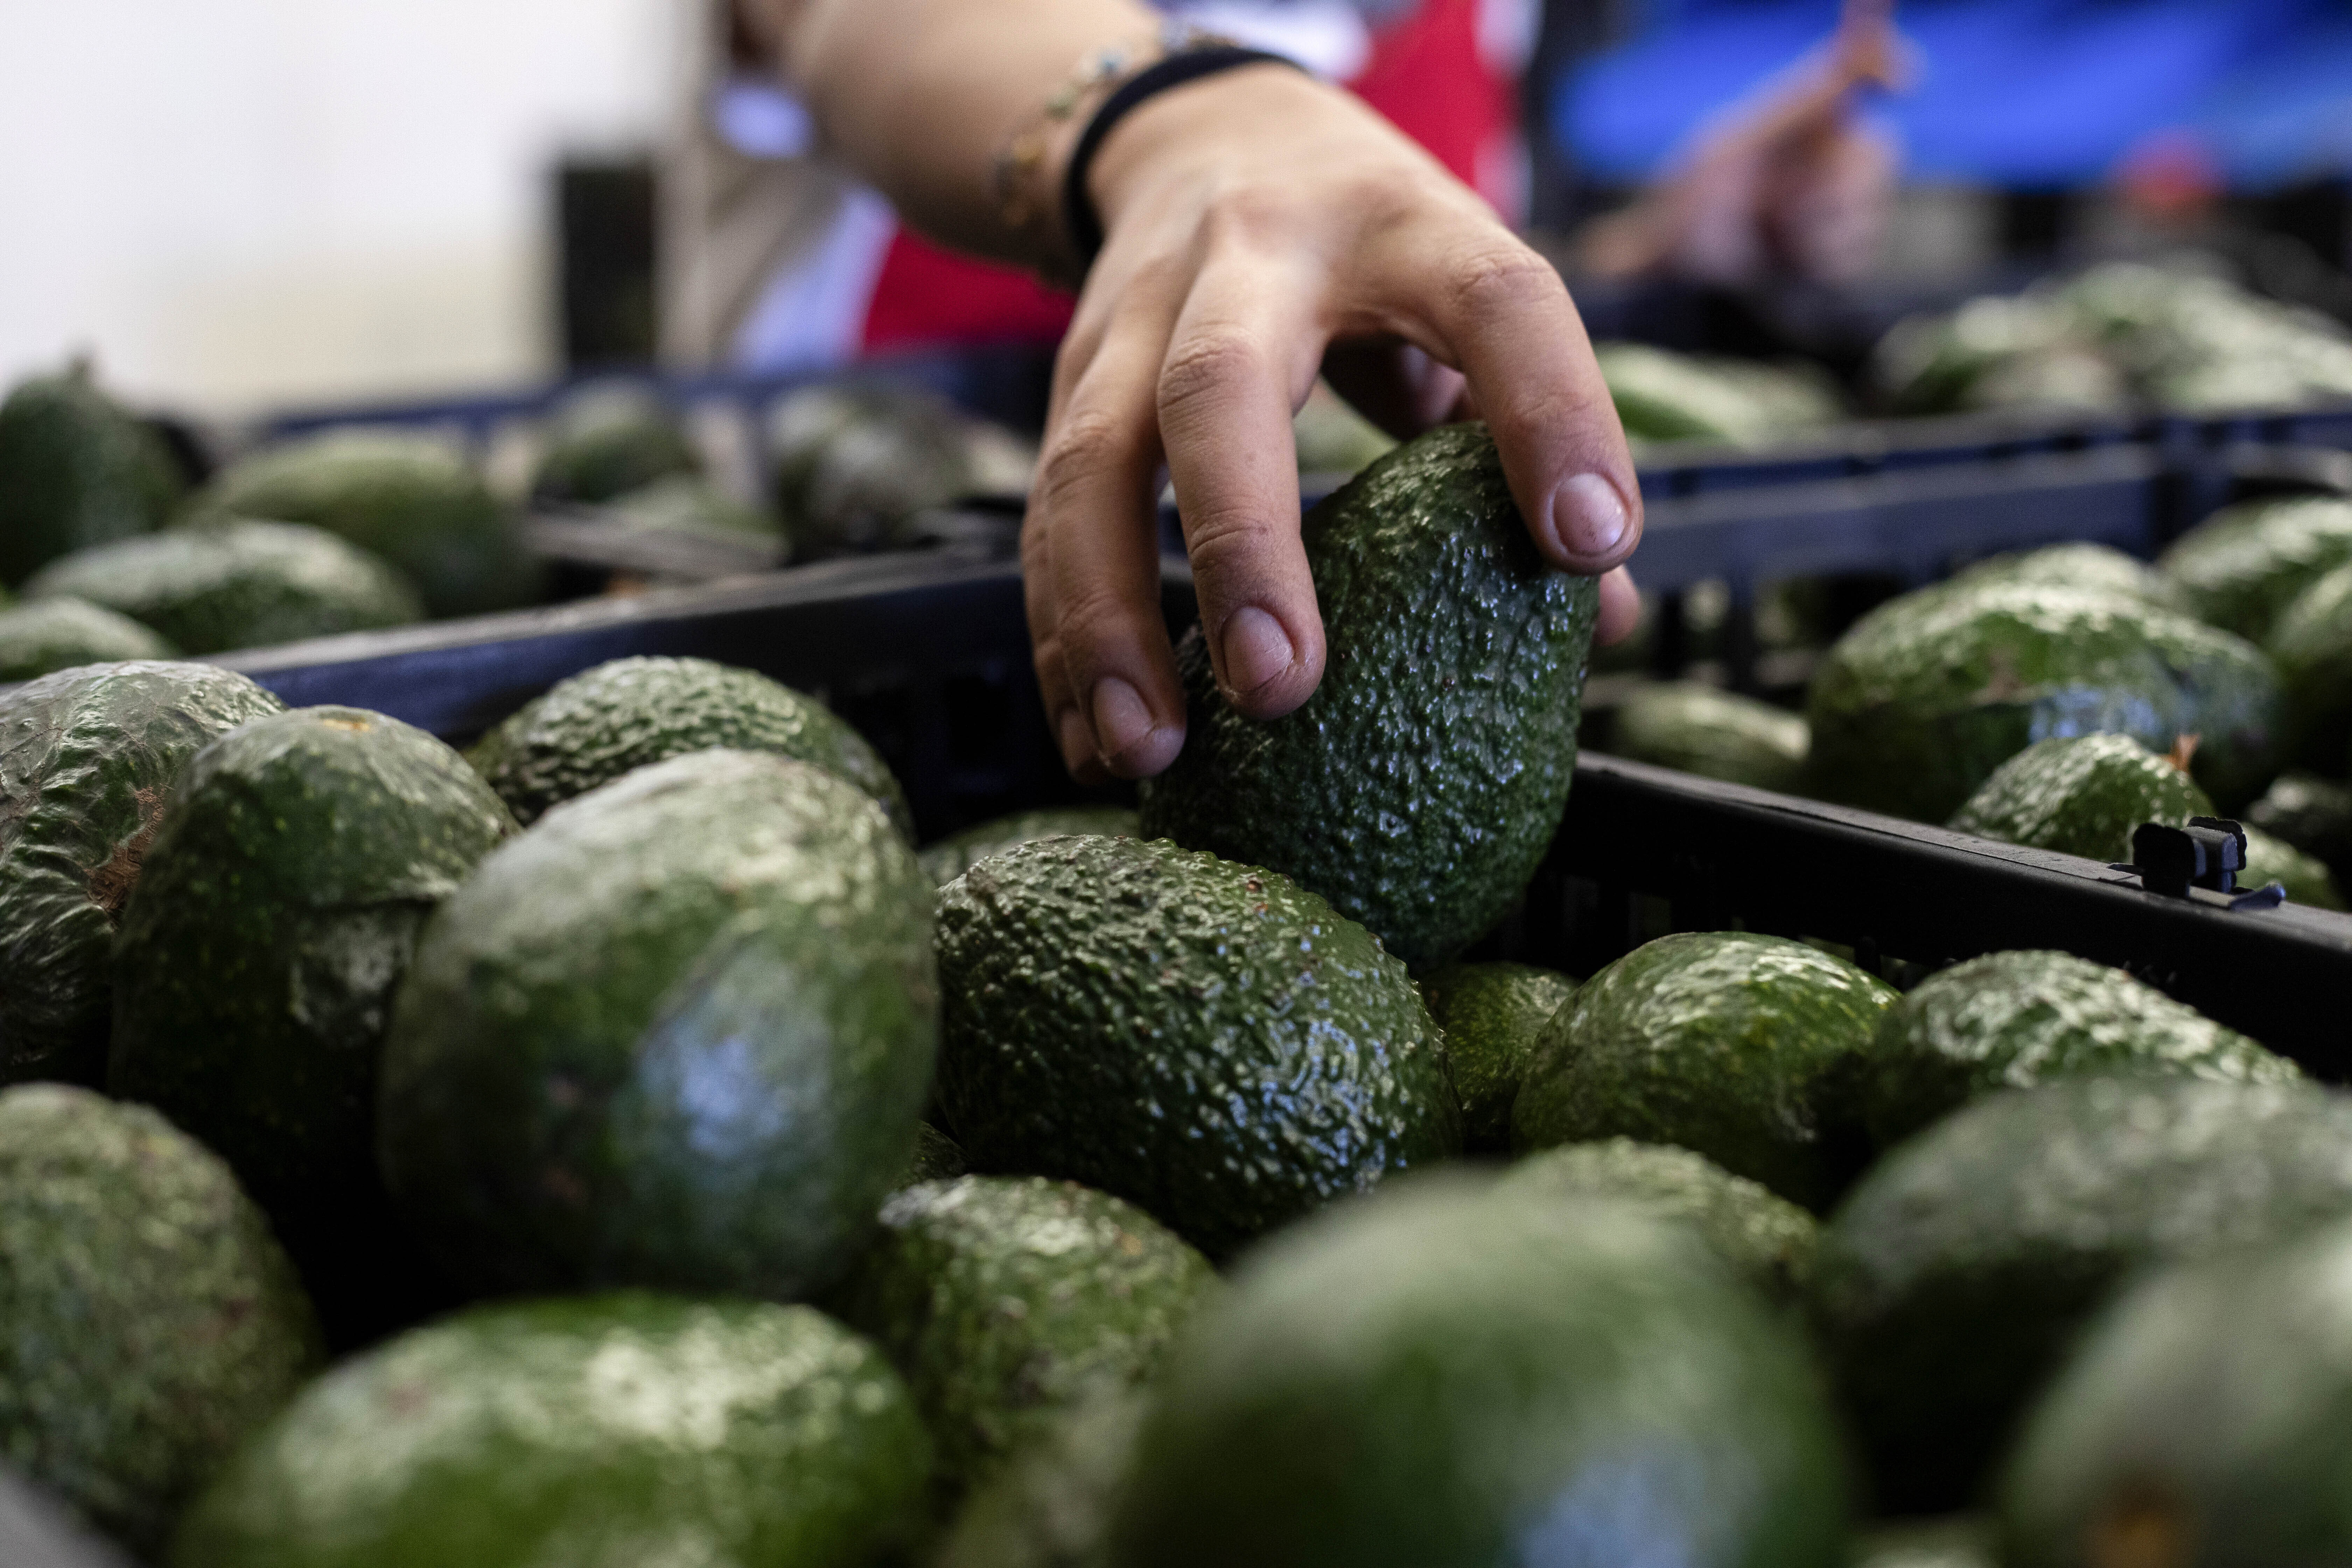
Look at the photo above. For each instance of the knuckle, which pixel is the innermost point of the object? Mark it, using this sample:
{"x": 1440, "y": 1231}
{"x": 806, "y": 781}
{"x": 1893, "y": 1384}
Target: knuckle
{"x": 1501, "y": 277}
{"x": 1205, "y": 367}
{"x": 1086, "y": 446}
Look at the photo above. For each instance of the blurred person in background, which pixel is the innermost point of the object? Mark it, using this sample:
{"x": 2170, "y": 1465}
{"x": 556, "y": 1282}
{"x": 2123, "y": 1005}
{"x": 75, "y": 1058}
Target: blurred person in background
{"x": 861, "y": 174}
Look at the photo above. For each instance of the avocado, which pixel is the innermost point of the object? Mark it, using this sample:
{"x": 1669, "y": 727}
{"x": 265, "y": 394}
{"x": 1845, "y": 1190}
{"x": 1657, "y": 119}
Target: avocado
{"x": 1492, "y": 1015}
{"x": 76, "y": 469}
{"x": 2201, "y": 1422}
{"x": 1957, "y": 1541}
{"x": 2311, "y": 642}
{"x": 598, "y": 1432}
{"x": 1917, "y": 704}
{"x": 1447, "y": 1374}
{"x": 1730, "y": 1043}
{"x": 1453, "y": 670}
{"x": 1050, "y": 1506}
{"x": 275, "y": 915}
{"x": 87, "y": 758}
{"x": 936, "y": 1158}
{"x": 235, "y": 585}
{"x": 687, "y": 503}
{"x": 676, "y": 1034}
{"x": 1992, "y": 351}
{"x": 148, "y": 1322}
{"x": 1207, "y": 1040}
{"x": 1662, "y": 395}
{"x": 2085, "y": 568}
{"x": 951, "y": 856}
{"x": 2304, "y": 879}
{"x": 1954, "y": 1277}
{"x": 852, "y": 466}
{"x": 2012, "y": 1020}
{"x": 1716, "y": 734}
{"x": 43, "y": 637}
{"x": 1766, "y": 1240}
{"x": 1004, "y": 1300}
{"x": 414, "y": 501}
{"x": 2080, "y": 795}
{"x": 630, "y": 712}
{"x": 2241, "y": 567}
{"x": 607, "y": 439}
{"x": 2311, "y": 814}
{"x": 1330, "y": 437}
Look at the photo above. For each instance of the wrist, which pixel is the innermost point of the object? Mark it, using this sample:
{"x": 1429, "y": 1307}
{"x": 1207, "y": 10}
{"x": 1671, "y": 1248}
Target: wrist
{"x": 1187, "y": 132}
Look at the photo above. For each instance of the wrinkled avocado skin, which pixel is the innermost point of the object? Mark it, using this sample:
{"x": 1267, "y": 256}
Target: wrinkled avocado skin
{"x": 1492, "y": 1014}
{"x": 616, "y": 1431}
{"x": 148, "y": 1322}
{"x": 2080, "y": 795}
{"x": 88, "y": 757}
{"x": 80, "y": 471}
{"x": 2013, "y": 1020}
{"x": 275, "y": 916}
{"x": 1728, "y": 1043}
{"x": 1716, "y": 734}
{"x": 51, "y": 635}
{"x": 589, "y": 730}
{"x": 1420, "y": 785}
{"x": 676, "y": 1034}
{"x": 953, "y": 856}
{"x": 1954, "y": 1277}
{"x": 1205, "y": 1039}
{"x": 1926, "y": 695}
{"x": 2241, "y": 567}
{"x": 1005, "y": 1300}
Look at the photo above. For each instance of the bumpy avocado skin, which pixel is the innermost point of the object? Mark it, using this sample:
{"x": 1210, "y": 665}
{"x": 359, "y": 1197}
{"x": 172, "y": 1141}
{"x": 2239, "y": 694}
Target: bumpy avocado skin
{"x": 2202, "y": 1420}
{"x": 1205, "y": 1039}
{"x": 87, "y": 758}
{"x": 2313, "y": 644}
{"x": 42, "y": 638}
{"x": 597, "y": 1432}
{"x": 1917, "y": 704}
{"x": 605, "y": 721}
{"x": 255, "y": 970}
{"x": 1954, "y": 1276}
{"x": 2243, "y": 566}
{"x": 1767, "y": 1240}
{"x": 1449, "y": 1374}
{"x": 678, "y": 1033}
{"x": 1728, "y": 1043}
{"x": 1051, "y": 1505}
{"x": 78, "y": 471}
{"x": 951, "y": 856}
{"x": 148, "y": 1322}
{"x": 605, "y": 441}
{"x": 1006, "y": 1300}
{"x": 2080, "y": 795}
{"x": 1716, "y": 734}
{"x": 1420, "y": 785}
{"x": 411, "y": 501}
{"x": 2013, "y": 1020}
{"x": 235, "y": 585}
{"x": 1492, "y": 1013}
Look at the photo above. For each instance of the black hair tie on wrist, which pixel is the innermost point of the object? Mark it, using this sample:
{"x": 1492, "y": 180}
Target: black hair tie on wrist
{"x": 1080, "y": 222}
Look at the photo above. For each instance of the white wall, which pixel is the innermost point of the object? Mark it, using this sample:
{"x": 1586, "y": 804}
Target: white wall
{"x": 240, "y": 203}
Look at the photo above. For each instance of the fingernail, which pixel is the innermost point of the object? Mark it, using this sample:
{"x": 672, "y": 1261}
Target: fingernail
{"x": 1257, "y": 649}
{"x": 1120, "y": 718}
{"x": 1588, "y": 516}
{"x": 1077, "y": 745}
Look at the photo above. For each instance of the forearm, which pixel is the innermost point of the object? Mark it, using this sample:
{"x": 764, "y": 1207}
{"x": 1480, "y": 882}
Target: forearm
{"x": 922, "y": 95}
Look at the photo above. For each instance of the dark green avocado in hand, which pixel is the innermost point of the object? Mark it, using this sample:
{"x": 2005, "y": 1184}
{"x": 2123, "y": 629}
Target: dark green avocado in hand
{"x": 1420, "y": 785}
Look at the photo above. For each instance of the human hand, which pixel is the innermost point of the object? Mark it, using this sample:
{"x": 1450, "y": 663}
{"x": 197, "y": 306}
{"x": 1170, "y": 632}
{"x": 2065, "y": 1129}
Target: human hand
{"x": 1258, "y": 223}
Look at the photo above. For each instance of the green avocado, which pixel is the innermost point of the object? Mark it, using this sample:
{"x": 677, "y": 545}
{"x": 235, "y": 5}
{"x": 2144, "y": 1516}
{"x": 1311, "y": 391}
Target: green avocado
{"x": 2202, "y": 1421}
{"x": 1716, "y": 734}
{"x": 1207, "y": 1040}
{"x": 2080, "y": 795}
{"x": 688, "y": 503}
{"x": 1005, "y": 1300}
{"x": 74, "y": 470}
{"x": 951, "y": 856}
{"x": 2306, "y": 878}
{"x": 1727, "y": 1043}
{"x": 607, "y": 440}
{"x": 42, "y": 638}
{"x": 2311, "y": 642}
{"x": 1954, "y": 1277}
{"x": 275, "y": 915}
{"x": 1917, "y": 704}
{"x": 1662, "y": 395}
{"x": 2013, "y": 1020}
{"x": 1958, "y": 1541}
{"x": 1051, "y": 1505}
{"x": 936, "y": 1157}
{"x": 678, "y": 1033}
{"x": 411, "y": 501}
{"x": 1767, "y": 1240}
{"x": 2243, "y": 566}
{"x": 618, "y": 1431}
{"x": 1492, "y": 1015}
{"x": 235, "y": 585}
{"x": 1450, "y": 686}
{"x": 1330, "y": 437}
{"x": 2311, "y": 814}
{"x": 2086, "y": 568}
{"x": 148, "y": 1322}
{"x": 631, "y": 713}
{"x": 87, "y": 758}
{"x": 1448, "y": 1375}
{"x": 851, "y": 466}
{"x": 1992, "y": 351}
